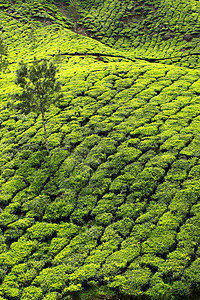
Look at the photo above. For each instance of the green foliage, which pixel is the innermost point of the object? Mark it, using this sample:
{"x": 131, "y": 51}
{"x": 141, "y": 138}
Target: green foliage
{"x": 133, "y": 281}
{"x": 38, "y": 83}
{"x": 73, "y": 11}
{"x": 112, "y": 209}
{"x": 39, "y": 88}
{"x": 41, "y": 231}
{"x": 3, "y": 55}
{"x": 18, "y": 252}
{"x": 52, "y": 279}
{"x": 192, "y": 273}
{"x": 32, "y": 293}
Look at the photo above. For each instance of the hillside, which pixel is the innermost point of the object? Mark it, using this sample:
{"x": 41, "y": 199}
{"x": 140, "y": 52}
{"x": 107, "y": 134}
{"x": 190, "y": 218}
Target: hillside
{"x": 155, "y": 30}
{"x": 112, "y": 212}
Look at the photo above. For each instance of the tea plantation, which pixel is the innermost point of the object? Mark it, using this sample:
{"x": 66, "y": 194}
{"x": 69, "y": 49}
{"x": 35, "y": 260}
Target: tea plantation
{"x": 112, "y": 211}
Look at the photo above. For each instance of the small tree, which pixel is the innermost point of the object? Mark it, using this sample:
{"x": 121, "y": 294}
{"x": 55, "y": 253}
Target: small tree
{"x": 73, "y": 11}
{"x": 40, "y": 88}
{"x": 3, "y": 55}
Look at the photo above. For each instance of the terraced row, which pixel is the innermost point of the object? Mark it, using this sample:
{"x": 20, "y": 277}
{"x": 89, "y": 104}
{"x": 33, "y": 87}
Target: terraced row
{"x": 148, "y": 29}
{"x": 112, "y": 210}
{"x": 34, "y": 11}
{"x": 116, "y": 202}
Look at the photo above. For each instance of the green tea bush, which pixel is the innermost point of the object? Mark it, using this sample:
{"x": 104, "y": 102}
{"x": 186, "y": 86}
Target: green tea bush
{"x": 112, "y": 210}
{"x": 52, "y": 279}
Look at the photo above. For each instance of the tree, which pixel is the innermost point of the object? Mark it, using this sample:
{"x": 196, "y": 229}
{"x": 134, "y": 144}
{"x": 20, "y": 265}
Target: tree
{"x": 3, "y": 55}
{"x": 40, "y": 88}
{"x": 73, "y": 11}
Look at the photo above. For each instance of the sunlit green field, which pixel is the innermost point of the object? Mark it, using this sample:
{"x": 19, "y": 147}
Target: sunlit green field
{"x": 112, "y": 211}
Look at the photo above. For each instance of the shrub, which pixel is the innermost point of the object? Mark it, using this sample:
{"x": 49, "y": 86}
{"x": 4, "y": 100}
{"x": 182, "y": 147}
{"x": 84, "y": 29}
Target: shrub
{"x": 160, "y": 241}
{"x": 52, "y": 279}
{"x": 58, "y": 209}
{"x": 192, "y": 273}
{"x": 32, "y": 293}
{"x": 19, "y": 251}
{"x": 133, "y": 282}
{"x": 42, "y": 231}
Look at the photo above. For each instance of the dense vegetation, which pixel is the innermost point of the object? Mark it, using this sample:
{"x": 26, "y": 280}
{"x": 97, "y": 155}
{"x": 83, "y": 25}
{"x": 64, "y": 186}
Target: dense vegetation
{"x": 112, "y": 210}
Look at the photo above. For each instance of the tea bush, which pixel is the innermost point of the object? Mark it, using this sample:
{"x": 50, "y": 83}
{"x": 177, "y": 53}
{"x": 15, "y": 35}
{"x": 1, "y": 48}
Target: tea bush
{"x": 113, "y": 209}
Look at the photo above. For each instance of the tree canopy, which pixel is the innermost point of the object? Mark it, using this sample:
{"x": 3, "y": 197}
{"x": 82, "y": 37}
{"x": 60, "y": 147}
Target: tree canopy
{"x": 73, "y": 10}
{"x": 39, "y": 88}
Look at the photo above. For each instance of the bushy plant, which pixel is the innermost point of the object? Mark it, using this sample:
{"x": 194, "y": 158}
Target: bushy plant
{"x": 39, "y": 88}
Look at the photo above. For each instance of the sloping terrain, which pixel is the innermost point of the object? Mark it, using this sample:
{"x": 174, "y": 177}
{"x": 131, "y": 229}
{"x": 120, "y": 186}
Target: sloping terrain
{"x": 160, "y": 30}
{"x": 112, "y": 211}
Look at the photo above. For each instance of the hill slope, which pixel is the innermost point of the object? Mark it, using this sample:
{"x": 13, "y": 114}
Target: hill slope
{"x": 112, "y": 212}
{"x": 161, "y": 30}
